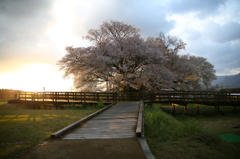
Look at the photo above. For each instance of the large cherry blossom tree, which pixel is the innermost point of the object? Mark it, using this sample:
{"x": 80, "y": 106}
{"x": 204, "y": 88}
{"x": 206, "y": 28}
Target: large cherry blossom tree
{"x": 191, "y": 72}
{"x": 120, "y": 60}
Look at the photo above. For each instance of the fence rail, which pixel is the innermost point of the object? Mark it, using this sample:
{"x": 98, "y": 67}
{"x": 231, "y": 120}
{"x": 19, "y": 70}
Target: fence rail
{"x": 200, "y": 97}
{"x": 196, "y": 97}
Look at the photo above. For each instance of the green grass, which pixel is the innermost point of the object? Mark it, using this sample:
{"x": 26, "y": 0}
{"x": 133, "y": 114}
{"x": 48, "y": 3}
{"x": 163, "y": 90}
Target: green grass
{"x": 162, "y": 126}
{"x": 190, "y": 137}
{"x": 22, "y": 128}
{"x": 168, "y": 136}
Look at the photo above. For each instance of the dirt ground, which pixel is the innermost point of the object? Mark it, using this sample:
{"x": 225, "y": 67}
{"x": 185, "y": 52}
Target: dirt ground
{"x": 87, "y": 149}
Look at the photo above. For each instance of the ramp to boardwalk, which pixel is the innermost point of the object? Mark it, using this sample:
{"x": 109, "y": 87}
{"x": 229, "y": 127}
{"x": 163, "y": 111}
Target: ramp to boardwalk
{"x": 109, "y": 135}
{"x": 118, "y": 121}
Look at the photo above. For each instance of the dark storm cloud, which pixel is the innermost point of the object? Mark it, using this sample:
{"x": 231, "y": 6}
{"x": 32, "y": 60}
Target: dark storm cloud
{"x": 217, "y": 36}
{"x": 22, "y": 25}
{"x": 149, "y": 16}
{"x": 202, "y": 8}
{"x": 23, "y": 8}
{"x": 227, "y": 60}
{"x": 22, "y": 19}
{"x": 223, "y": 33}
{"x": 224, "y": 56}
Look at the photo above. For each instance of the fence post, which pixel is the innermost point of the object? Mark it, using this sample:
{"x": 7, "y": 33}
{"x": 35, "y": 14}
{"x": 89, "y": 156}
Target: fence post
{"x": 234, "y": 108}
{"x": 84, "y": 95}
{"x": 115, "y": 97}
{"x": 33, "y": 96}
{"x": 68, "y": 96}
{"x": 53, "y": 96}
{"x": 98, "y": 97}
{"x": 173, "y": 109}
{"x": 185, "y": 109}
{"x": 81, "y": 96}
{"x": 198, "y": 109}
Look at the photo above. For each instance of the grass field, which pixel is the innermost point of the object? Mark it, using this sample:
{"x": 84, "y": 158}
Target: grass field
{"x": 180, "y": 136}
{"x": 22, "y": 128}
{"x": 191, "y": 136}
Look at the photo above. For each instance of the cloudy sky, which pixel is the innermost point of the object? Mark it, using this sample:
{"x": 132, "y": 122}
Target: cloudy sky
{"x": 34, "y": 33}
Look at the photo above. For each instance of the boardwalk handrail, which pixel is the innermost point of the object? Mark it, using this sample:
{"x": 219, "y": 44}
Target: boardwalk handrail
{"x": 67, "y": 96}
{"x": 146, "y": 96}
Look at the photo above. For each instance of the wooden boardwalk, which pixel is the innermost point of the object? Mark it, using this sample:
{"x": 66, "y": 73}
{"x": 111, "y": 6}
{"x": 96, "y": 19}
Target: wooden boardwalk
{"x": 119, "y": 121}
{"x": 213, "y": 98}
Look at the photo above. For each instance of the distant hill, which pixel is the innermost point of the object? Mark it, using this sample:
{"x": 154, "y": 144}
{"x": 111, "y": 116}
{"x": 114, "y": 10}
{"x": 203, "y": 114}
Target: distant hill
{"x": 232, "y": 81}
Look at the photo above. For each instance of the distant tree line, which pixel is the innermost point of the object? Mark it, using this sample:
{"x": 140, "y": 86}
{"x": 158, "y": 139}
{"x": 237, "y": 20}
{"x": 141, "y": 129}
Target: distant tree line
{"x": 121, "y": 60}
{"x": 8, "y": 94}
{"x": 230, "y": 90}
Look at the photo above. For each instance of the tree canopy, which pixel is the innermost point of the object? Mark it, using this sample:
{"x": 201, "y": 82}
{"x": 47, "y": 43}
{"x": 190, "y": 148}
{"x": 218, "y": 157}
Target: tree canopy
{"x": 119, "y": 59}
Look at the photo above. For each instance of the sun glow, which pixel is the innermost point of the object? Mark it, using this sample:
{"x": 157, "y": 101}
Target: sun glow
{"x": 60, "y": 31}
{"x": 33, "y": 77}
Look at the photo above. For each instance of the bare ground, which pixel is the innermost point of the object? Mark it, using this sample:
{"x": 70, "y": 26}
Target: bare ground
{"x": 87, "y": 149}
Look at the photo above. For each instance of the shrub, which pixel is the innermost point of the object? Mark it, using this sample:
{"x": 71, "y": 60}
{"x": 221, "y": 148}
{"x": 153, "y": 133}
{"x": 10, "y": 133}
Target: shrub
{"x": 84, "y": 105}
{"x": 164, "y": 126}
{"x": 100, "y": 104}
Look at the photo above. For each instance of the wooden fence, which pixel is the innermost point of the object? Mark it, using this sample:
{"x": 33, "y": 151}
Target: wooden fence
{"x": 198, "y": 97}
{"x": 179, "y": 97}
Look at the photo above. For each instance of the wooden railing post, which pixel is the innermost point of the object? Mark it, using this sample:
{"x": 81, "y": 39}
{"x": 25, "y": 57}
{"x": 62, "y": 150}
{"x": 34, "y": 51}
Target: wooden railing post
{"x": 115, "y": 97}
{"x": 53, "y": 96}
{"x": 198, "y": 109}
{"x": 84, "y": 96}
{"x": 81, "y": 97}
{"x": 68, "y": 96}
{"x": 98, "y": 97}
{"x": 33, "y": 96}
{"x": 173, "y": 109}
{"x": 185, "y": 109}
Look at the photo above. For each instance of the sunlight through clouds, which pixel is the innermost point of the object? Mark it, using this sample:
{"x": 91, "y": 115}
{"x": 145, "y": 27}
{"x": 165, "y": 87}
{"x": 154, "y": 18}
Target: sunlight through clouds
{"x": 33, "y": 77}
{"x": 60, "y": 31}
{"x": 64, "y": 29}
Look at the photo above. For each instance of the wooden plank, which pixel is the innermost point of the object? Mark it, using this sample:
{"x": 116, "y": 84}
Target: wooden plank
{"x": 117, "y": 122}
{"x": 64, "y": 130}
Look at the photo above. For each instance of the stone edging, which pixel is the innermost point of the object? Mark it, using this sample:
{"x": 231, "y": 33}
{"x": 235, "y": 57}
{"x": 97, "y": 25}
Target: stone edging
{"x": 145, "y": 148}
